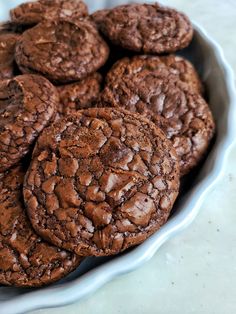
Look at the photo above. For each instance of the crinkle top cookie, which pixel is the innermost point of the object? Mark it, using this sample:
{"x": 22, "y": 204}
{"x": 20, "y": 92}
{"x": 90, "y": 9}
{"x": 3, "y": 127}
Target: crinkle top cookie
{"x": 149, "y": 28}
{"x": 100, "y": 181}
{"x": 61, "y": 50}
{"x": 139, "y": 85}
{"x": 25, "y": 259}
{"x": 31, "y": 13}
{"x": 28, "y": 104}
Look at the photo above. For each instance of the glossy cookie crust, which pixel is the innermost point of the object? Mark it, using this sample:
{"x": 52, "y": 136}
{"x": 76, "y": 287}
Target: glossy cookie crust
{"x": 28, "y": 104}
{"x": 31, "y": 13}
{"x": 173, "y": 64}
{"x": 139, "y": 85}
{"x": 62, "y": 50}
{"x": 148, "y": 28}
{"x": 100, "y": 181}
{"x": 79, "y": 95}
{"x": 25, "y": 259}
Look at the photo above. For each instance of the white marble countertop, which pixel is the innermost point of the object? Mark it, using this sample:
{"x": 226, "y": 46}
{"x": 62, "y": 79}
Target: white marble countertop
{"x": 196, "y": 271}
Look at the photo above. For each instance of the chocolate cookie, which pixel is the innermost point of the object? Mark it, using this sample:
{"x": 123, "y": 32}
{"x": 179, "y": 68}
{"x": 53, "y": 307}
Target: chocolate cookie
{"x": 31, "y": 13}
{"x": 79, "y": 95}
{"x": 61, "y": 50}
{"x": 140, "y": 88}
{"x": 175, "y": 65}
{"x": 25, "y": 259}
{"x": 28, "y": 103}
{"x": 7, "y": 51}
{"x": 185, "y": 70}
{"x": 149, "y": 28}
{"x": 100, "y": 181}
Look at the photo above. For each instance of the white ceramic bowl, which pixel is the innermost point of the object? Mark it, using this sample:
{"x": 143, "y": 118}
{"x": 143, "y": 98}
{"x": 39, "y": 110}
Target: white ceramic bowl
{"x": 94, "y": 272}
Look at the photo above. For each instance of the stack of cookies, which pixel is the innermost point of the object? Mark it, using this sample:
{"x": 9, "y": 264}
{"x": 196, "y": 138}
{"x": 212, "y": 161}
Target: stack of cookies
{"x": 99, "y": 121}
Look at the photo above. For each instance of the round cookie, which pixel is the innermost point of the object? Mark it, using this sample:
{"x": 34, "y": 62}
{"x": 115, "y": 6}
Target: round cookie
{"x": 25, "y": 259}
{"x": 100, "y": 181}
{"x": 159, "y": 92}
{"x": 31, "y": 13}
{"x": 28, "y": 104}
{"x": 7, "y": 50}
{"x": 176, "y": 65}
{"x": 79, "y": 95}
{"x": 61, "y": 50}
{"x": 149, "y": 28}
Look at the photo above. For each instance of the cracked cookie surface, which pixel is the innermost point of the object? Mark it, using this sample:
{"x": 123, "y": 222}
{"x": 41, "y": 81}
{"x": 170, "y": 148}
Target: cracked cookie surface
{"x": 149, "y": 28}
{"x": 31, "y": 13}
{"x": 100, "y": 181}
{"x": 175, "y": 65}
{"x": 79, "y": 95}
{"x": 61, "y": 50}
{"x": 141, "y": 86}
{"x": 7, "y": 51}
{"x": 27, "y": 105}
{"x": 25, "y": 259}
